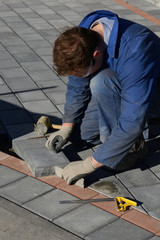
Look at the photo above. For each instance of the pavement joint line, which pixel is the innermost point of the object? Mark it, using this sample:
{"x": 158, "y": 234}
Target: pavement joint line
{"x": 138, "y": 11}
{"x": 40, "y": 195}
{"x": 123, "y": 216}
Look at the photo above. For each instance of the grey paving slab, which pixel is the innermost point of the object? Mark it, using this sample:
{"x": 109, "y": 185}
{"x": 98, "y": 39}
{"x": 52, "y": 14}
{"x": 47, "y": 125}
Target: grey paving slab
{"x": 40, "y": 160}
{"x": 52, "y": 86}
{"x": 8, "y": 63}
{"x": 13, "y": 73}
{"x": 18, "y": 223}
{"x": 152, "y": 160}
{"x": 24, "y": 190}
{"x": 85, "y": 219}
{"x": 120, "y": 229}
{"x": 41, "y": 106}
{"x": 41, "y": 75}
{"x": 31, "y": 36}
{"x": 19, "y": 49}
{"x": 8, "y": 175}
{"x": 5, "y": 55}
{"x": 110, "y": 186}
{"x": 27, "y": 57}
{"x": 9, "y": 101}
{"x": 34, "y": 66}
{"x": 20, "y": 85}
{"x": 15, "y": 116}
{"x": 31, "y": 96}
{"x": 155, "y": 238}
{"x": 20, "y": 145}
{"x": 21, "y": 131}
{"x": 38, "y": 44}
{"x": 5, "y": 90}
{"x": 137, "y": 177}
{"x": 48, "y": 205}
{"x": 149, "y": 196}
{"x": 57, "y": 97}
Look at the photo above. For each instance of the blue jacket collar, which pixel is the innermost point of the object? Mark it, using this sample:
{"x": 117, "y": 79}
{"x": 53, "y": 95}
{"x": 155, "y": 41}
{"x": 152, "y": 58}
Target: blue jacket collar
{"x": 93, "y": 16}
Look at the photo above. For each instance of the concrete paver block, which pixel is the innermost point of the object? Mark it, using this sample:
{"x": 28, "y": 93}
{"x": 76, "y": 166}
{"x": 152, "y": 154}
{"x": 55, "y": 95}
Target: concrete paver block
{"x": 85, "y": 219}
{"x": 48, "y": 205}
{"x": 120, "y": 230}
{"x": 110, "y": 186}
{"x": 21, "y": 131}
{"x": 18, "y": 223}
{"x": 138, "y": 177}
{"x": 40, "y": 160}
{"x": 15, "y": 116}
{"x": 149, "y": 196}
{"x": 9, "y": 175}
{"x": 24, "y": 190}
{"x": 41, "y": 106}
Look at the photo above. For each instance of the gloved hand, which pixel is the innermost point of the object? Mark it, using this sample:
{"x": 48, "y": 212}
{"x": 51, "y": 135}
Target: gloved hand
{"x": 58, "y": 139}
{"x": 76, "y": 170}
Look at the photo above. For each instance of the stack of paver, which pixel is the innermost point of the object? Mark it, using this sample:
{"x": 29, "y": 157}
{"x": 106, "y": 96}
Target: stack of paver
{"x": 29, "y": 88}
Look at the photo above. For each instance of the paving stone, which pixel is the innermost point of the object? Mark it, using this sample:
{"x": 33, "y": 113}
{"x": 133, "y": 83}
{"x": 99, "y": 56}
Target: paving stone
{"x": 154, "y": 238}
{"x": 120, "y": 230}
{"x": 30, "y": 96}
{"x": 5, "y": 90}
{"x": 152, "y": 160}
{"x": 24, "y": 190}
{"x": 27, "y": 57}
{"x": 41, "y": 75}
{"x": 5, "y": 55}
{"x": 13, "y": 73}
{"x": 40, "y": 160}
{"x": 38, "y": 43}
{"x": 57, "y": 97}
{"x": 19, "y": 85}
{"x": 109, "y": 186}
{"x": 142, "y": 220}
{"x": 137, "y": 177}
{"x": 21, "y": 131}
{"x": 9, "y": 102}
{"x": 82, "y": 220}
{"x": 52, "y": 86}
{"x": 19, "y": 49}
{"x": 149, "y": 196}
{"x": 8, "y": 63}
{"x": 34, "y": 66}
{"x": 8, "y": 175}
{"x": 15, "y": 116}
{"x": 31, "y": 36}
{"x": 40, "y": 107}
{"x": 48, "y": 205}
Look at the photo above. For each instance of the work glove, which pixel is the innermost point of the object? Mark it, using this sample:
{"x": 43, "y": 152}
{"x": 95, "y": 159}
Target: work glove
{"x": 58, "y": 139}
{"x": 76, "y": 170}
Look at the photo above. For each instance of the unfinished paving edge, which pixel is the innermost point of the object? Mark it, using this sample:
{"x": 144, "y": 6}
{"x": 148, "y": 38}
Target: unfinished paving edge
{"x": 124, "y": 216}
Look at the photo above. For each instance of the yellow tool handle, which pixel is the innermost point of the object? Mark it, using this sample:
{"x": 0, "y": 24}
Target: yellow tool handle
{"x": 55, "y": 126}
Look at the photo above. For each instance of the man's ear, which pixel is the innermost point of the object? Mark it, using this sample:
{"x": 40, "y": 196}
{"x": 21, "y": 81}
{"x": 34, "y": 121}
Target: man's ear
{"x": 96, "y": 53}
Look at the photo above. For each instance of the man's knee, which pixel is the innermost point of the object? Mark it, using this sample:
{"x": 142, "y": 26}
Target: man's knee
{"x": 106, "y": 81}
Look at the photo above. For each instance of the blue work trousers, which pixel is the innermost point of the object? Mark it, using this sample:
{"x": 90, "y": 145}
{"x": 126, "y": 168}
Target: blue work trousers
{"x": 103, "y": 110}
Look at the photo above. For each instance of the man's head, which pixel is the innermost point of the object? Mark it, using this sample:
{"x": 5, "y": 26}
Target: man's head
{"x": 76, "y": 51}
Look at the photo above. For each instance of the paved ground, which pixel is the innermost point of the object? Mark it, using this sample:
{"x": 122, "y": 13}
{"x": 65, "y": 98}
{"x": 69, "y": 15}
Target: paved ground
{"x": 29, "y": 88}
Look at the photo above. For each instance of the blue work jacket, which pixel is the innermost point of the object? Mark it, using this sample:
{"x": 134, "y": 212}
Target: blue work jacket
{"x": 133, "y": 52}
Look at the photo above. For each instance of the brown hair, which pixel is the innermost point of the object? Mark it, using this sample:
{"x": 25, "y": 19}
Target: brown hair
{"x": 73, "y": 49}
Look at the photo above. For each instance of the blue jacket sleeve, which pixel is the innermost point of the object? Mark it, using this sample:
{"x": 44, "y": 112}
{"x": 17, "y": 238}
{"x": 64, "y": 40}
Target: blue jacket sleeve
{"x": 138, "y": 69}
{"x": 77, "y": 98}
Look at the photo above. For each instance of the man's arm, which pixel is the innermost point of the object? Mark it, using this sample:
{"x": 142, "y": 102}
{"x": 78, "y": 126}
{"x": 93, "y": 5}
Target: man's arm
{"x": 77, "y": 98}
